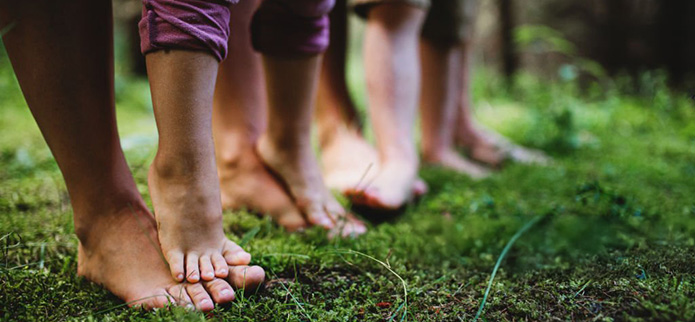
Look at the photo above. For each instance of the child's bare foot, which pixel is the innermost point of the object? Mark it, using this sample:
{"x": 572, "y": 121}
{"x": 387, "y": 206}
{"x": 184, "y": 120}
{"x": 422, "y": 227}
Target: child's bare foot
{"x": 245, "y": 183}
{"x": 297, "y": 168}
{"x": 350, "y": 163}
{"x": 187, "y": 207}
{"x": 451, "y": 159}
{"x": 488, "y": 147}
{"x": 120, "y": 251}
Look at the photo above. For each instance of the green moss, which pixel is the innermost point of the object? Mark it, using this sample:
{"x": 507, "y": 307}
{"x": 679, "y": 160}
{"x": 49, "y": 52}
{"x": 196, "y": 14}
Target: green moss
{"x": 617, "y": 243}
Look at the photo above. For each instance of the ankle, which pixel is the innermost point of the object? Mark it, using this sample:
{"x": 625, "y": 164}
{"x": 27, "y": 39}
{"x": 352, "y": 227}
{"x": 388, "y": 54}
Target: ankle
{"x": 330, "y": 136}
{"x": 181, "y": 165}
{"x": 399, "y": 152}
{"x": 289, "y": 145}
{"x": 234, "y": 154}
{"x": 432, "y": 154}
{"x": 87, "y": 223}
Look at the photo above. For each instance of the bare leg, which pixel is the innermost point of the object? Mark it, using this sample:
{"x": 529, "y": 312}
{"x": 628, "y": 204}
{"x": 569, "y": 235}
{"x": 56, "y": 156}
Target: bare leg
{"x": 393, "y": 81}
{"x": 346, "y": 156}
{"x": 347, "y": 159}
{"x": 483, "y": 145}
{"x": 239, "y": 117}
{"x": 183, "y": 180}
{"x": 70, "y": 93}
{"x": 286, "y": 145}
{"x": 441, "y": 86}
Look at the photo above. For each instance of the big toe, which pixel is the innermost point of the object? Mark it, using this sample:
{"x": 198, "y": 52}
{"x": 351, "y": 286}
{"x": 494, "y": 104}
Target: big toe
{"x": 247, "y": 278}
{"x": 350, "y": 227}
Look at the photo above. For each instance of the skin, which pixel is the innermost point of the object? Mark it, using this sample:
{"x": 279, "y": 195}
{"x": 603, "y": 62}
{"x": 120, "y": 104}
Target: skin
{"x": 73, "y": 104}
{"x": 294, "y": 198}
{"x": 286, "y": 148}
{"x": 347, "y": 159}
{"x": 349, "y": 163}
{"x": 482, "y": 145}
{"x": 393, "y": 82}
{"x": 183, "y": 178}
{"x": 441, "y": 92}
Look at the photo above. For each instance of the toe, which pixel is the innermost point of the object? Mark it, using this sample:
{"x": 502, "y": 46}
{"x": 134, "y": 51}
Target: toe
{"x": 207, "y": 272}
{"x": 248, "y": 278}
{"x": 192, "y": 272}
{"x": 220, "y": 265}
{"x": 220, "y": 290}
{"x": 175, "y": 259}
{"x": 292, "y": 220}
{"x": 420, "y": 187}
{"x": 335, "y": 209}
{"x": 201, "y": 298}
{"x": 355, "y": 227}
{"x": 180, "y": 295}
{"x": 157, "y": 299}
{"x": 234, "y": 255}
{"x": 316, "y": 215}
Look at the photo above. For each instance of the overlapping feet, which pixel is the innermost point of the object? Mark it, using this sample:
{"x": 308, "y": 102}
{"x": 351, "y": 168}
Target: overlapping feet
{"x": 121, "y": 252}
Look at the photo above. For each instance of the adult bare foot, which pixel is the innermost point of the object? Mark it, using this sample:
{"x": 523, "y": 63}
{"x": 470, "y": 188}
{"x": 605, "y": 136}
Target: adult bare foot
{"x": 241, "y": 180}
{"x": 299, "y": 171}
{"x": 120, "y": 252}
{"x": 189, "y": 220}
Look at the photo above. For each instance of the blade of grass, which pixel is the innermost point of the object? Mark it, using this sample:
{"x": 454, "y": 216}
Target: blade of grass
{"x": 501, "y": 257}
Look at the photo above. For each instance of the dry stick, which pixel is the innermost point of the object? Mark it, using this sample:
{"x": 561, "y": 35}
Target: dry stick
{"x": 499, "y": 260}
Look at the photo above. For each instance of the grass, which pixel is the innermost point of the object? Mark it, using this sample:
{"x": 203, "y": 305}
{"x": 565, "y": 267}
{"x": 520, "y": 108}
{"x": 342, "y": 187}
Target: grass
{"x": 616, "y": 241}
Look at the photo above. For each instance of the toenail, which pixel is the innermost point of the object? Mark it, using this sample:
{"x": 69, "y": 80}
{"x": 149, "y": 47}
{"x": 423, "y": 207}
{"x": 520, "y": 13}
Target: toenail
{"x": 326, "y": 222}
{"x": 190, "y": 306}
{"x": 205, "y": 301}
{"x": 226, "y": 292}
{"x": 179, "y": 277}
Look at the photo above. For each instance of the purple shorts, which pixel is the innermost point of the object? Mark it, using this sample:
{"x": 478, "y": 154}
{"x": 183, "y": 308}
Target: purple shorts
{"x": 280, "y": 27}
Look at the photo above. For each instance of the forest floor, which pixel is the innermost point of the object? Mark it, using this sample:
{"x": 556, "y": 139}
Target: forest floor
{"x": 611, "y": 235}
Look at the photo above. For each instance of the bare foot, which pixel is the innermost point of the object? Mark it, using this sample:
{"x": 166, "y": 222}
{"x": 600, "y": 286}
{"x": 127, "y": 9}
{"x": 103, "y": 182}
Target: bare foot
{"x": 391, "y": 188}
{"x": 189, "y": 221}
{"x": 489, "y": 147}
{"x": 451, "y": 159}
{"x": 242, "y": 179}
{"x": 120, "y": 252}
{"x": 299, "y": 171}
{"x": 350, "y": 163}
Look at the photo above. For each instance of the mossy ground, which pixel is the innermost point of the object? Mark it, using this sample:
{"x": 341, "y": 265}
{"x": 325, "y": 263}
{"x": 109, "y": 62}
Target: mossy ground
{"x": 616, "y": 241}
